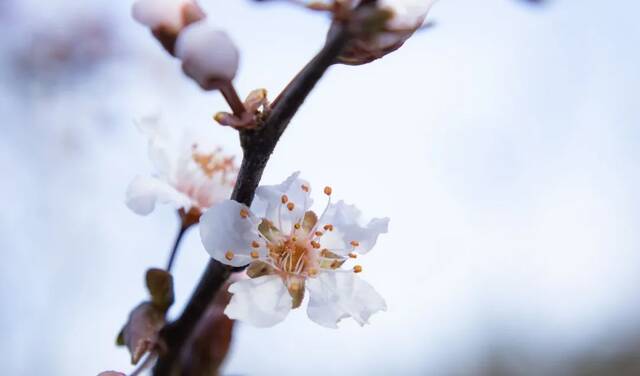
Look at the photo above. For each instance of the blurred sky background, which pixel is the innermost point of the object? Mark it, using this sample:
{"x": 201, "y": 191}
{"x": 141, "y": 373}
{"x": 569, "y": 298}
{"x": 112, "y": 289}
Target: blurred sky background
{"x": 503, "y": 144}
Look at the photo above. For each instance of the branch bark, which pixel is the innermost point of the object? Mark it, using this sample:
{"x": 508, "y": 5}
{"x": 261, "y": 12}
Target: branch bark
{"x": 257, "y": 145}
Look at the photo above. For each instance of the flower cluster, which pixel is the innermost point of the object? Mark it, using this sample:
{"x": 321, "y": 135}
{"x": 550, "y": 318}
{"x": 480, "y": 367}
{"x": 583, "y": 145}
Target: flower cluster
{"x": 187, "y": 177}
{"x": 290, "y": 249}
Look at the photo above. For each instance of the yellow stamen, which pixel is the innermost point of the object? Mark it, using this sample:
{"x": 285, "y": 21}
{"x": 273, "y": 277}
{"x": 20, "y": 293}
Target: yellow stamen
{"x": 328, "y": 227}
{"x": 244, "y": 213}
{"x": 355, "y": 243}
{"x": 318, "y": 233}
{"x": 290, "y": 206}
{"x": 315, "y": 244}
{"x": 357, "y": 269}
{"x": 229, "y": 255}
{"x": 255, "y": 244}
{"x": 352, "y": 255}
{"x": 327, "y": 190}
{"x": 304, "y": 188}
{"x": 284, "y": 199}
{"x": 297, "y": 226}
{"x": 254, "y": 254}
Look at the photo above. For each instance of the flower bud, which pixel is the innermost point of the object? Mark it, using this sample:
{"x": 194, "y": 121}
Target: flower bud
{"x": 208, "y": 55}
{"x": 166, "y": 18}
{"x": 384, "y": 29}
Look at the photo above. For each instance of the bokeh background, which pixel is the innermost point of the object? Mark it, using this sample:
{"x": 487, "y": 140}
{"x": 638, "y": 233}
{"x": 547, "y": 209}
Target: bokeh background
{"x": 503, "y": 143}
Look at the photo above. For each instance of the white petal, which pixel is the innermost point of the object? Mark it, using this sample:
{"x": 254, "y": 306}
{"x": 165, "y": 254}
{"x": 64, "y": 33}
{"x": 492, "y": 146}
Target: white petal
{"x": 145, "y": 191}
{"x": 340, "y": 294}
{"x": 348, "y": 226}
{"x": 408, "y": 14}
{"x": 262, "y": 301}
{"x": 163, "y": 152}
{"x": 268, "y": 204}
{"x": 223, "y": 230}
{"x": 207, "y": 54}
{"x": 156, "y": 13}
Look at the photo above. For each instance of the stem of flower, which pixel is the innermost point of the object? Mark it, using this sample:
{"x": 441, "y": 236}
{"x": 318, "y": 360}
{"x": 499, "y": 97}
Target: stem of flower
{"x": 176, "y": 245}
{"x": 231, "y": 96}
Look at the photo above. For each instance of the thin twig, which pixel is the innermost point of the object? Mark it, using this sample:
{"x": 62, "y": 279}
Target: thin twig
{"x": 176, "y": 245}
{"x": 233, "y": 99}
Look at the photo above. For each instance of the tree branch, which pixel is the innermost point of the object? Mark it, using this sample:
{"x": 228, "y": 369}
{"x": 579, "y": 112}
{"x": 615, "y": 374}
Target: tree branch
{"x": 257, "y": 145}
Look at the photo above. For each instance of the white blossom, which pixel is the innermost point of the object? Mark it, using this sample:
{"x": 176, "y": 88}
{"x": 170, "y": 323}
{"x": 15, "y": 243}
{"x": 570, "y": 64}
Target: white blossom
{"x": 208, "y": 55}
{"x": 290, "y": 249}
{"x": 186, "y": 177}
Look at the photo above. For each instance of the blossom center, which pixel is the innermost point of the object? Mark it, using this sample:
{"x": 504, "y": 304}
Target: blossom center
{"x": 292, "y": 256}
{"x": 212, "y": 163}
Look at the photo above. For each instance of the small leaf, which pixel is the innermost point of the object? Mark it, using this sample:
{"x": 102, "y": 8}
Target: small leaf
{"x": 120, "y": 339}
{"x": 256, "y": 99}
{"x": 208, "y": 345}
{"x": 160, "y": 285}
{"x": 140, "y": 333}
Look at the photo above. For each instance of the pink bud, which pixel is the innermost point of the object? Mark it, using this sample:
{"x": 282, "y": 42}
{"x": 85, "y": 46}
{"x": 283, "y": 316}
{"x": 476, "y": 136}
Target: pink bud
{"x": 208, "y": 55}
{"x": 166, "y": 18}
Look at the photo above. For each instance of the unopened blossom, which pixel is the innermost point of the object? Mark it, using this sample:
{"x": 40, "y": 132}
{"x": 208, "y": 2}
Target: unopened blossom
{"x": 187, "y": 177}
{"x": 290, "y": 249}
{"x": 167, "y": 18}
{"x": 208, "y": 55}
{"x": 383, "y": 30}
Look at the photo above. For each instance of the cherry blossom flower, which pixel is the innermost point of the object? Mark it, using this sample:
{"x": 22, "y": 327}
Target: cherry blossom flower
{"x": 290, "y": 249}
{"x": 167, "y": 18}
{"x": 400, "y": 19}
{"x": 187, "y": 177}
{"x": 208, "y": 55}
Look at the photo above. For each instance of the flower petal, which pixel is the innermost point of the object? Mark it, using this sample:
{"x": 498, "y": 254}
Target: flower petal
{"x": 340, "y": 294}
{"x": 268, "y": 201}
{"x": 145, "y": 191}
{"x": 348, "y": 227}
{"x": 227, "y": 231}
{"x": 407, "y": 14}
{"x": 262, "y": 301}
{"x": 163, "y": 151}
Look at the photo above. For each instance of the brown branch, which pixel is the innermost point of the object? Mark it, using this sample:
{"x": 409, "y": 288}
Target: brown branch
{"x": 257, "y": 145}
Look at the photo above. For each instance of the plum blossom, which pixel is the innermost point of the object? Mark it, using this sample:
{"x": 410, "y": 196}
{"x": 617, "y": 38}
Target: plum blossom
{"x": 208, "y": 55}
{"x": 400, "y": 19}
{"x": 290, "y": 249}
{"x": 188, "y": 177}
